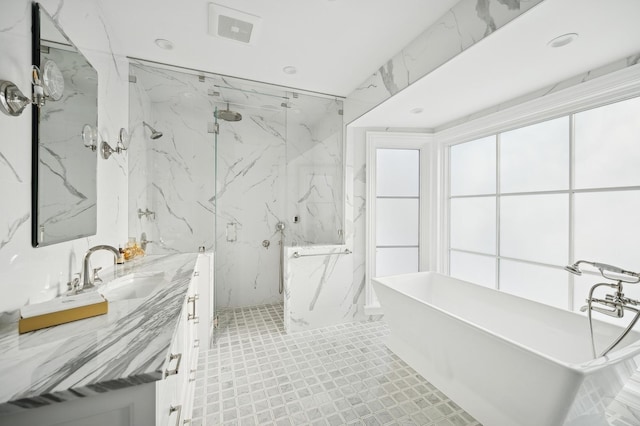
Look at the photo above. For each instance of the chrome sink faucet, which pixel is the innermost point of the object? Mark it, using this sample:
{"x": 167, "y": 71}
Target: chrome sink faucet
{"x": 87, "y": 277}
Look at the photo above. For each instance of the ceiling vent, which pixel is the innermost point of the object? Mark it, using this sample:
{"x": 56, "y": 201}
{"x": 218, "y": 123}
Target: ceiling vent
{"x": 233, "y": 24}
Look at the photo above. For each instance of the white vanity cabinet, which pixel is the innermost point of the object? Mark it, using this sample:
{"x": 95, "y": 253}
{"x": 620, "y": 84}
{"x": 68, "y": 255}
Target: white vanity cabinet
{"x": 165, "y": 402}
{"x": 175, "y": 393}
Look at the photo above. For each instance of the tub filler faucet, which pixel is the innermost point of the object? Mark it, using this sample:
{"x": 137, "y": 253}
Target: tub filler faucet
{"x": 614, "y": 305}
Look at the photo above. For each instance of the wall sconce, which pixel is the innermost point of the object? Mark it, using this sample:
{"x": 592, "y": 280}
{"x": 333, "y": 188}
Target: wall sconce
{"x": 46, "y": 85}
{"x": 12, "y": 101}
{"x": 121, "y": 145}
{"x": 90, "y": 137}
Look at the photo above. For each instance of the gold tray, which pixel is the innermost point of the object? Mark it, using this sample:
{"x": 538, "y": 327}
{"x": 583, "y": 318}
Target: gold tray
{"x": 26, "y": 325}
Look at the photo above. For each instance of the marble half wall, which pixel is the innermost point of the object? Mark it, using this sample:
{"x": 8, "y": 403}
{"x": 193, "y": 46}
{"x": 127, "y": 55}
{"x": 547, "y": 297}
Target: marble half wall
{"x": 30, "y": 274}
{"x": 318, "y": 287}
{"x": 467, "y": 23}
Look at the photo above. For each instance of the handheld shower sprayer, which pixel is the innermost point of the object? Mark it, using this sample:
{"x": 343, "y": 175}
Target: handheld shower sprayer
{"x": 603, "y": 267}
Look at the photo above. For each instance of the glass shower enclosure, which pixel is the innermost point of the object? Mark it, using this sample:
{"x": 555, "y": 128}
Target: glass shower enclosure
{"x": 242, "y": 168}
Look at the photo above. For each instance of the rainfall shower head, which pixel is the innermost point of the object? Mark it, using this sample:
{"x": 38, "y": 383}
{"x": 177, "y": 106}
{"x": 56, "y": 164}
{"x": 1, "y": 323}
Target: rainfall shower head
{"x": 154, "y": 133}
{"x": 228, "y": 115}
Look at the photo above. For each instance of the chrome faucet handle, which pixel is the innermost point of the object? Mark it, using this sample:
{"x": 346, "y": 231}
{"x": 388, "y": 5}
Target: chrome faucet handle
{"x": 144, "y": 241}
{"x": 74, "y": 285}
{"x": 96, "y": 278}
{"x": 628, "y": 301}
{"x": 146, "y": 213}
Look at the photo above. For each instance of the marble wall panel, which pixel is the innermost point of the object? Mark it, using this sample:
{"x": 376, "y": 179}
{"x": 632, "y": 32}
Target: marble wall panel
{"x": 249, "y": 203}
{"x": 270, "y": 166}
{"x": 318, "y": 290}
{"x": 139, "y": 161}
{"x": 465, "y": 24}
{"x": 315, "y": 175}
{"x": 172, "y": 177}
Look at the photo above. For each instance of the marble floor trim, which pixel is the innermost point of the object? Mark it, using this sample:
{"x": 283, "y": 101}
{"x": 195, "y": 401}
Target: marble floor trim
{"x": 256, "y": 374}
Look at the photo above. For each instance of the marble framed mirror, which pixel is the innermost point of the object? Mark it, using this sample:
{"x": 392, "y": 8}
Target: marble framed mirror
{"x": 64, "y": 139}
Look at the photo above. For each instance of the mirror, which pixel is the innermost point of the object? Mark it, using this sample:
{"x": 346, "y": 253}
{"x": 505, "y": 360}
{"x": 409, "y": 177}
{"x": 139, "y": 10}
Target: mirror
{"x": 65, "y": 137}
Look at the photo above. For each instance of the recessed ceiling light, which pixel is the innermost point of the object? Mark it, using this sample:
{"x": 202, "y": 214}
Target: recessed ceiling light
{"x": 417, "y": 110}
{"x": 164, "y": 44}
{"x": 562, "y": 40}
{"x": 289, "y": 69}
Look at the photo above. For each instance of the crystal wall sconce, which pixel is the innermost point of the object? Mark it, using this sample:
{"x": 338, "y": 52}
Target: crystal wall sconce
{"x": 47, "y": 85}
{"x": 12, "y": 101}
{"x": 90, "y": 137}
{"x": 121, "y": 145}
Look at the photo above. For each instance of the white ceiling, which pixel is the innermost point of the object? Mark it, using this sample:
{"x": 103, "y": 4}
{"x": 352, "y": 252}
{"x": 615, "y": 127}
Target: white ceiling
{"x": 334, "y": 44}
{"x": 515, "y": 61}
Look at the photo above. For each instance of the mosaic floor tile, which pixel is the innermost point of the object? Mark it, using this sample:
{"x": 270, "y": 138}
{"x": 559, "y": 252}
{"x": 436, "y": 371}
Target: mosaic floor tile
{"x": 258, "y": 375}
{"x": 340, "y": 375}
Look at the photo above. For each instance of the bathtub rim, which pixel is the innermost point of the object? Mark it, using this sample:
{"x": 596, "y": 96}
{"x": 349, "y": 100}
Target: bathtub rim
{"x": 582, "y": 368}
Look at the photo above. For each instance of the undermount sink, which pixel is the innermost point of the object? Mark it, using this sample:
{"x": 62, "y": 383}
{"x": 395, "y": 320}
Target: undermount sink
{"x": 131, "y": 286}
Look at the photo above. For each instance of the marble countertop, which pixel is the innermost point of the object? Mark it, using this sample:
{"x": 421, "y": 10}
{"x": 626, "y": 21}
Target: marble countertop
{"x": 125, "y": 347}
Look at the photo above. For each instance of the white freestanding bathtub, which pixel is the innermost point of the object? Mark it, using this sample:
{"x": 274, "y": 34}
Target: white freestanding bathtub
{"x": 506, "y": 360}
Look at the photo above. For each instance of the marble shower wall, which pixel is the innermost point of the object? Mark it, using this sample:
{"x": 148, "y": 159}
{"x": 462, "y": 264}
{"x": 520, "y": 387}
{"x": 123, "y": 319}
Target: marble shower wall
{"x": 28, "y": 274}
{"x": 172, "y": 176}
{"x": 315, "y": 172}
{"x": 139, "y": 170}
{"x": 251, "y": 190}
{"x": 272, "y": 165}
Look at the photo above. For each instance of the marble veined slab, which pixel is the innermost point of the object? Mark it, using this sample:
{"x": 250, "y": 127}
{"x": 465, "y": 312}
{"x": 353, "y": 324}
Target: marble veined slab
{"x": 318, "y": 290}
{"x": 125, "y": 347}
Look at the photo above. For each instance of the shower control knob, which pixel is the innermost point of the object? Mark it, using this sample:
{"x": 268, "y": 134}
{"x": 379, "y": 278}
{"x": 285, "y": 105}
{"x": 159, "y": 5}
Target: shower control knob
{"x": 266, "y": 244}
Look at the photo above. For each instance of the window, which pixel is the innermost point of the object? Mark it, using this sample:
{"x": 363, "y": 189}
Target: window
{"x": 396, "y": 207}
{"x": 397, "y": 211}
{"x": 526, "y": 202}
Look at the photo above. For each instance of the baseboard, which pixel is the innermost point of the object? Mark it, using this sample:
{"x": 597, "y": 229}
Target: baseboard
{"x": 373, "y": 310}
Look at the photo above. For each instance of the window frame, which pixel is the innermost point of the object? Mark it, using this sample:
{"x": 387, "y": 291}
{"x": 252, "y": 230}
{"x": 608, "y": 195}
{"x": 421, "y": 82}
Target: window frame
{"x": 399, "y": 140}
{"x": 612, "y": 88}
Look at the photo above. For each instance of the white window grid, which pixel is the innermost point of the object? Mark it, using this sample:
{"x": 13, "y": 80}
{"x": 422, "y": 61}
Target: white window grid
{"x": 571, "y": 192}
